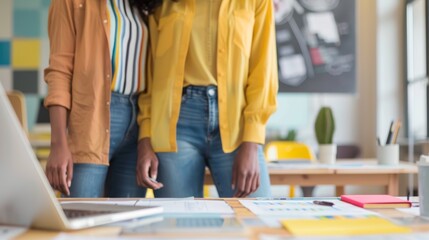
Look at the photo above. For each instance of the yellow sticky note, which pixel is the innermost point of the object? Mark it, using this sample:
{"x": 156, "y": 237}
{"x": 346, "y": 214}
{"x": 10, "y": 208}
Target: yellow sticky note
{"x": 342, "y": 226}
{"x": 26, "y": 53}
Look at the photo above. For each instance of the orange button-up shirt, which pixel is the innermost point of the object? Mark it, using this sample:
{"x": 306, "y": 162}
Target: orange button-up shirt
{"x": 79, "y": 75}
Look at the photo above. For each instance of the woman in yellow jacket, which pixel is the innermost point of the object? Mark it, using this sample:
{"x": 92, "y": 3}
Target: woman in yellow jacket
{"x": 96, "y": 71}
{"x": 213, "y": 83}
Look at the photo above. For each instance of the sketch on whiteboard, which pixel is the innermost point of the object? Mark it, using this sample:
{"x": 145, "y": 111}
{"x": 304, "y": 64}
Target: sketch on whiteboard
{"x": 320, "y": 5}
{"x": 316, "y": 45}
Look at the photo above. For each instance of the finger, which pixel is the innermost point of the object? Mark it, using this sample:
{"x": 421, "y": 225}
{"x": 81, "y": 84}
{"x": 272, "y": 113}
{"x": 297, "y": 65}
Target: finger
{"x": 55, "y": 178}
{"x": 69, "y": 177}
{"x": 63, "y": 180}
{"x": 241, "y": 185}
{"x": 254, "y": 184}
{"x": 257, "y": 182}
{"x": 249, "y": 185}
{"x": 138, "y": 177}
{"x": 69, "y": 174}
{"x": 146, "y": 179}
{"x": 154, "y": 169}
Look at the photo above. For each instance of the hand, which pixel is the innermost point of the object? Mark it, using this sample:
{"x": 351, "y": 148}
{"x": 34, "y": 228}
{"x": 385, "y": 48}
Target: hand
{"x": 147, "y": 165}
{"x": 245, "y": 172}
{"x": 59, "y": 169}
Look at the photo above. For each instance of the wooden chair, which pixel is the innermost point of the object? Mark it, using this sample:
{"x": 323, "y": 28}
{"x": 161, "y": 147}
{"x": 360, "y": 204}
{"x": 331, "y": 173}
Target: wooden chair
{"x": 17, "y": 101}
{"x": 289, "y": 150}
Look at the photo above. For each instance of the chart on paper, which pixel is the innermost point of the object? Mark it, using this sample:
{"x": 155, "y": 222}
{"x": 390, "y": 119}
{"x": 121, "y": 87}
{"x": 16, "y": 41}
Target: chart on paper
{"x": 302, "y": 208}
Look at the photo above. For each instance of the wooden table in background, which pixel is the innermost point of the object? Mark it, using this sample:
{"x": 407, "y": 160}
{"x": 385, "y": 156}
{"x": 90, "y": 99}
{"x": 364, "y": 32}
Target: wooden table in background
{"x": 364, "y": 172}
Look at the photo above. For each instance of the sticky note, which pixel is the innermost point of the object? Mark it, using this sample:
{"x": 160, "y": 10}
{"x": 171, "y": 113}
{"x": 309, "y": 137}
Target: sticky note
{"x": 342, "y": 226}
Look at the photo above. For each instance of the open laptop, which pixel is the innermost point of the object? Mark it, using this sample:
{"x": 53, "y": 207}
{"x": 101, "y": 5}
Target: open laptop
{"x": 26, "y": 197}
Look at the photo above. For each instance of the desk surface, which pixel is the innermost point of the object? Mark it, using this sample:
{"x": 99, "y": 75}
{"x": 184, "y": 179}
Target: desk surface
{"x": 240, "y": 212}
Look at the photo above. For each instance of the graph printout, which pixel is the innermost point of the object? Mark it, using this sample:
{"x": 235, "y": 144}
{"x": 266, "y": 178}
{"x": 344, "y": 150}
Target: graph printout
{"x": 303, "y": 208}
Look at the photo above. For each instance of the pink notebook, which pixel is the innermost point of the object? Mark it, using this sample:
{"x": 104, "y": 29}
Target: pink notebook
{"x": 376, "y": 201}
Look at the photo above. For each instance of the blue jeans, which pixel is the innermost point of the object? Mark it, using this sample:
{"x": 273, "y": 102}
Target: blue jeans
{"x": 119, "y": 178}
{"x": 200, "y": 146}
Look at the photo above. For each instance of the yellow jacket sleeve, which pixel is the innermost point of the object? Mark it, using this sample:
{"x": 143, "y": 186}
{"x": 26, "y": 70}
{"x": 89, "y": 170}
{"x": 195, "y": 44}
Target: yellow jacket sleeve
{"x": 262, "y": 84}
{"x": 144, "y": 102}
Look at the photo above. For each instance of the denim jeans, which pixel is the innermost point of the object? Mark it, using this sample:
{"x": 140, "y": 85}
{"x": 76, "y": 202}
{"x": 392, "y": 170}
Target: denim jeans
{"x": 119, "y": 178}
{"x": 200, "y": 146}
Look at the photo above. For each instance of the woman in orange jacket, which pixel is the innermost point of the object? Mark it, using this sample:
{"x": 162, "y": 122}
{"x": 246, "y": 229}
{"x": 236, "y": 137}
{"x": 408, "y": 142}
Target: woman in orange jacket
{"x": 96, "y": 72}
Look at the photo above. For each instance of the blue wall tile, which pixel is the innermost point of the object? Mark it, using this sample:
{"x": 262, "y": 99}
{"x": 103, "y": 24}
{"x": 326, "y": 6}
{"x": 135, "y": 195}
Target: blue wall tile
{"x": 4, "y": 53}
{"x": 46, "y": 3}
{"x": 26, "y": 23}
{"x": 44, "y": 23}
{"x": 32, "y": 103}
{"x": 27, "y": 4}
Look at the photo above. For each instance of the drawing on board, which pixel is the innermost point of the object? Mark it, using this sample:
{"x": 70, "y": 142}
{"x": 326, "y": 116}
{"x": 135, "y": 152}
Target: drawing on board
{"x": 316, "y": 45}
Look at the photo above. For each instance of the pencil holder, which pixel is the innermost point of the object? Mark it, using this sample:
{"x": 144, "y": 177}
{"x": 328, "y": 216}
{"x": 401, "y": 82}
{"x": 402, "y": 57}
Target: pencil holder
{"x": 388, "y": 154}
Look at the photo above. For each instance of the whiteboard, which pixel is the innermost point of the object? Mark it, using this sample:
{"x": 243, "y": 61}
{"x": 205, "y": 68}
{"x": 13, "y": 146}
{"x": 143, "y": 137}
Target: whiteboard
{"x": 316, "y": 45}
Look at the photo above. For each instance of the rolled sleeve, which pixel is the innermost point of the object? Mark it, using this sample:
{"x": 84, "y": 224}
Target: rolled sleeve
{"x": 62, "y": 34}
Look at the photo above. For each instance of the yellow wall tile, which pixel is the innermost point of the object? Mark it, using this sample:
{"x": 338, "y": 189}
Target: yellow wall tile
{"x": 26, "y": 53}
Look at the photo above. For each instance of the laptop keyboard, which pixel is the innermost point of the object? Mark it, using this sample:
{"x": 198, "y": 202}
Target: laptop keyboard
{"x": 83, "y": 213}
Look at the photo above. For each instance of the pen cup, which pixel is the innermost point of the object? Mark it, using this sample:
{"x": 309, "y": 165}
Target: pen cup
{"x": 423, "y": 166}
{"x": 388, "y": 154}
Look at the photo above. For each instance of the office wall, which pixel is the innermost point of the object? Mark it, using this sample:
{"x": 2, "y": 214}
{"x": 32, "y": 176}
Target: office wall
{"x": 355, "y": 114}
{"x": 390, "y": 63}
{"x": 24, "y": 49}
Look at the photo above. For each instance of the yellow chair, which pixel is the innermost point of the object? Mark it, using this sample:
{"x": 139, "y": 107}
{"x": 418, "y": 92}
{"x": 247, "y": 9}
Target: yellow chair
{"x": 17, "y": 101}
{"x": 288, "y": 150}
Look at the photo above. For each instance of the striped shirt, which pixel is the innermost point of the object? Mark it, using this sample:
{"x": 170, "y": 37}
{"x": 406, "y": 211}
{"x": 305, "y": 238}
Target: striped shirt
{"x": 128, "y": 47}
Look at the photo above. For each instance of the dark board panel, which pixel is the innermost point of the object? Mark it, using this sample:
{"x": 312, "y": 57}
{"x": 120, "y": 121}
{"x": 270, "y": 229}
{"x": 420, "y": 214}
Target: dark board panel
{"x": 316, "y": 45}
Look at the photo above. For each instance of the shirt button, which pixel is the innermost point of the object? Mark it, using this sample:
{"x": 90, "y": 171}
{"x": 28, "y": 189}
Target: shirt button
{"x": 105, "y": 20}
{"x": 80, "y": 5}
{"x": 221, "y": 50}
{"x": 108, "y": 76}
{"x": 107, "y": 130}
{"x": 107, "y": 103}
{"x": 211, "y": 92}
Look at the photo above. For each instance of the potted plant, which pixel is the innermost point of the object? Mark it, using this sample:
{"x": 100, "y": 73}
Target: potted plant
{"x": 324, "y": 128}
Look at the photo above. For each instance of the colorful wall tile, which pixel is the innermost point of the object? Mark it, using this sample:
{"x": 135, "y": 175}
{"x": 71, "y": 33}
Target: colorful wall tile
{"x": 4, "y": 53}
{"x": 26, "y": 4}
{"x": 6, "y": 11}
{"x": 26, "y": 81}
{"x": 24, "y": 48}
{"x": 26, "y": 54}
{"x": 26, "y": 23}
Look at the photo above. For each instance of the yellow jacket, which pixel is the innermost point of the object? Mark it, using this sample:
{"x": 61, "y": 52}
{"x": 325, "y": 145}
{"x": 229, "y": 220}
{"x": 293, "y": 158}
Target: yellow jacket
{"x": 246, "y": 73}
